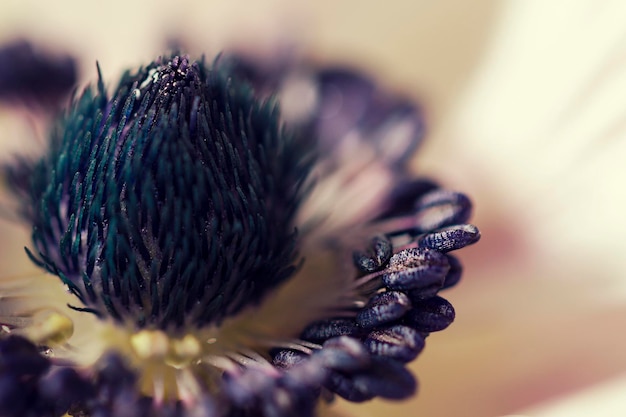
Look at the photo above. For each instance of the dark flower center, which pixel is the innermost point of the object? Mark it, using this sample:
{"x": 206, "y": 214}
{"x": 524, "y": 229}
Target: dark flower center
{"x": 170, "y": 203}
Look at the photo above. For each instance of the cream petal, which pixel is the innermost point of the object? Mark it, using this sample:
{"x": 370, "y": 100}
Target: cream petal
{"x": 543, "y": 125}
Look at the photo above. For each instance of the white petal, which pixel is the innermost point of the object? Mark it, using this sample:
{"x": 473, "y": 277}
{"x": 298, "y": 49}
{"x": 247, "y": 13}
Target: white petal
{"x": 545, "y": 124}
{"x": 606, "y": 400}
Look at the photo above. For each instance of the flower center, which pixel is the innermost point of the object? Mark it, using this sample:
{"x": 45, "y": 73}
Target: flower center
{"x": 180, "y": 364}
{"x": 170, "y": 205}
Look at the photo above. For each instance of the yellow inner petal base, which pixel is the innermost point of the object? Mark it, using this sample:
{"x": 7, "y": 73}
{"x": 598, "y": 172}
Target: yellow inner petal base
{"x": 177, "y": 364}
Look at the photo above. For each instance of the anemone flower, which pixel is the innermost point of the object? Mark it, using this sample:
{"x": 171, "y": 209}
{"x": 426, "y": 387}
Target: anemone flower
{"x": 225, "y": 239}
{"x": 523, "y": 102}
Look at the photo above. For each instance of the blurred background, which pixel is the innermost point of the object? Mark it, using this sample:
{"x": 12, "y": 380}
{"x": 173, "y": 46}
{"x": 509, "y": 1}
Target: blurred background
{"x": 526, "y": 105}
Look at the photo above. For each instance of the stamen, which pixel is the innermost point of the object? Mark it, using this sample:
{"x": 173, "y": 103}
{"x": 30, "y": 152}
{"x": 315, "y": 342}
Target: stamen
{"x": 345, "y": 354}
{"x": 369, "y": 283}
{"x": 323, "y": 330}
{"x": 398, "y": 342}
{"x": 303, "y": 346}
{"x": 189, "y": 391}
{"x": 415, "y": 268}
{"x": 451, "y": 238}
{"x": 385, "y": 378}
{"x": 431, "y": 315}
{"x": 50, "y": 328}
{"x": 220, "y": 362}
{"x": 150, "y": 344}
{"x": 183, "y": 351}
{"x": 383, "y": 308}
{"x": 379, "y": 253}
{"x": 158, "y": 388}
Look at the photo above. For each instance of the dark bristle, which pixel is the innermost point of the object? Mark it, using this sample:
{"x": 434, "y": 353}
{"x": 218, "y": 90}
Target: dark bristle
{"x": 176, "y": 195}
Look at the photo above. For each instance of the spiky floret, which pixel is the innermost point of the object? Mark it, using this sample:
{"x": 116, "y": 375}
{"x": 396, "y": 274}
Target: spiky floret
{"x": 169, "y": 203}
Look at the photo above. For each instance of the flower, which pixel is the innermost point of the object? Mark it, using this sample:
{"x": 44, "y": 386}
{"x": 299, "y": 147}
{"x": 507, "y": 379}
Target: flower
{"x": 208, "y": 254}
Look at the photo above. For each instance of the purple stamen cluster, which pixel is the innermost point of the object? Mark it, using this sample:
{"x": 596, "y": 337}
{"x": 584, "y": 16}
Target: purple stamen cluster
{"x": 365, "y": 353}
